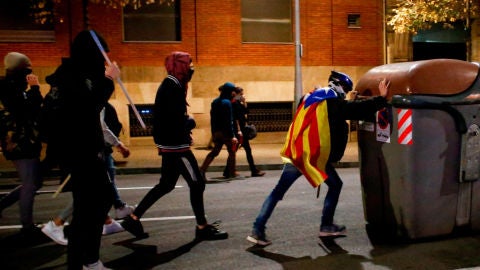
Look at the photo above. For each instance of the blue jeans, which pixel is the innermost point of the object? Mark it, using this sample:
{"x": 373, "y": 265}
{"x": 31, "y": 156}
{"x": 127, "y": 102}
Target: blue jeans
{"x": 289, "y": 175}
{"x": 31, "y": 180}
{"x": 117, "y": 201}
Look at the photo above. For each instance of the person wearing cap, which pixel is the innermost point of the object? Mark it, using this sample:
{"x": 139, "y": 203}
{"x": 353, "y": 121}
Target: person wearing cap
{"x": 223, "y": 130}
{"x": 316, "y": 139}
{"x": 20, "y": 103}
{"x": 172, "y": 135}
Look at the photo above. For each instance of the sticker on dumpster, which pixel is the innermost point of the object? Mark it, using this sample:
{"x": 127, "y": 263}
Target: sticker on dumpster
{"x": 367, "y": 126}
{"x": 383, "y": 126}
{"x": 405, "y": 126}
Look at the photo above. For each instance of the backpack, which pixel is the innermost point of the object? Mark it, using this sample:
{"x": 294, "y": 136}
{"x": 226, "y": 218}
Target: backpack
{"x": 111, "y": 119}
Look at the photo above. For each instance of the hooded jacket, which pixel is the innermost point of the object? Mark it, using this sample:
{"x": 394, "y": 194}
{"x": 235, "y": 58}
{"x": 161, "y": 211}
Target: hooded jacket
{"x": 221, "y": 112}
{"x": 19, "y": 111}
{"x": 171, "y": 123}
{"x": 84, "y": 91}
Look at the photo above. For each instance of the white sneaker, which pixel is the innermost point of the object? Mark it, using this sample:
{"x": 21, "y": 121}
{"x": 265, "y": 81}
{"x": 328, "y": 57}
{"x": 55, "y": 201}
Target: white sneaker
{"x": 123, "y": 212}
{"x": 95, "y": 266}
{"x": 55, "y": 233}
{"x": 112, "y": 228}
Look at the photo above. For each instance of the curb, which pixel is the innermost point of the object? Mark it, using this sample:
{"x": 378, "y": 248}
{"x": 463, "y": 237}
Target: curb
{"x": 11, "y": 174}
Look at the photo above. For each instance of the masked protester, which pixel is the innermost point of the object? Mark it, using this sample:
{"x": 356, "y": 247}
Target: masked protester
{"x": 20, "y": 103}
{"x": 85, "y": 86}
{"x": 222, "y": 126}
{"x": 240, "y": 119}
{"x": 171, "y": 132}
{"x": 321, "y": 117}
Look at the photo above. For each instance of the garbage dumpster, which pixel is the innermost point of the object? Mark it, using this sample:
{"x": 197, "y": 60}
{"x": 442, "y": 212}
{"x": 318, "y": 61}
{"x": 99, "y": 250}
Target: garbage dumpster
{"x": 420, "y": 156}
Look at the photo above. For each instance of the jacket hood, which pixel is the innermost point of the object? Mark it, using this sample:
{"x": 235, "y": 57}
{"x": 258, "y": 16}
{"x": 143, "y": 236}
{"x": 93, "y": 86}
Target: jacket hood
{"x": 85, "y": 54}
{"x": 177, "y": 64}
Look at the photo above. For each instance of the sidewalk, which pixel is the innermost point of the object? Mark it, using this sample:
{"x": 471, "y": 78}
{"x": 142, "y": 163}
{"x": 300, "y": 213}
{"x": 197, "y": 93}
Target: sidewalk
{"x": 266, "y": 155}
{"x": 144, "y": 157}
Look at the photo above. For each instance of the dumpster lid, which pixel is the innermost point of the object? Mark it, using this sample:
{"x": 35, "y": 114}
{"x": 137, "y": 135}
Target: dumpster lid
{"x": 426, "y": 77}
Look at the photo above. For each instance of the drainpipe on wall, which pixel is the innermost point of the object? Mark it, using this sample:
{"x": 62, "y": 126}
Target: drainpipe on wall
{"x": 298, "y": 55}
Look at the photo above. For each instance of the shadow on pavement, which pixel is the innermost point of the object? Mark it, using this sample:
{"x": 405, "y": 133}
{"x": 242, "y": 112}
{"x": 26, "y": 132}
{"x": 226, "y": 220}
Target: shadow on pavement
{"x": 146, "y": 256}
{"x": 337, "y": 258}
{"x": 20, "y": 251}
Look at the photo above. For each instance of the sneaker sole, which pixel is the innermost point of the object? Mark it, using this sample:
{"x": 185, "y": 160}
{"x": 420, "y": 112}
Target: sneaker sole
{"x": 47, "y": 233}
{"x": 326, "y": 234}
{"x": 258, "y": 242}
{"x": 113, "y": 231}
{"x": 223, "y": 237}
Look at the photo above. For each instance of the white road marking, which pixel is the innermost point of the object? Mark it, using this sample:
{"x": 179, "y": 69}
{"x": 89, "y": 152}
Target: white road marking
{"x": 53, "y": 191}
{"x": 9, "y": 227}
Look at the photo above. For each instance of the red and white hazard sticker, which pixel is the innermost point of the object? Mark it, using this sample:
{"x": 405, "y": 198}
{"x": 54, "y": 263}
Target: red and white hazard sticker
{"x": 405, "y": 128}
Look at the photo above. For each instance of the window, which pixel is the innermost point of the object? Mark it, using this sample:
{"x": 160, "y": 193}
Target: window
{"x": 159, "y": 21}
{"x": 267, "y": 21}
{"x": 27, "y": 21}
{"x": 353, "y": 21}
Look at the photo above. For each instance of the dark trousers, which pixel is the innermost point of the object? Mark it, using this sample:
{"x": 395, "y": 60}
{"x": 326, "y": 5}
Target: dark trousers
{"x": 219, "y": 140}
{"x": 175, "y": 164}
{"x": 248, "y": 151}
{"x": 92, "y": 199}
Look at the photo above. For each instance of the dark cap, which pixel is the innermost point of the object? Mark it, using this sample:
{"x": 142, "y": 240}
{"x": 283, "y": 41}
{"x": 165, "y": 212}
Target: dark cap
{"x": 228, "y": 86}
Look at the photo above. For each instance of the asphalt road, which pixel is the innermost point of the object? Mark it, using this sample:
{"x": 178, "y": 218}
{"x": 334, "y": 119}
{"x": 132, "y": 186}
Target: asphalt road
{"x": 293, "y": 228}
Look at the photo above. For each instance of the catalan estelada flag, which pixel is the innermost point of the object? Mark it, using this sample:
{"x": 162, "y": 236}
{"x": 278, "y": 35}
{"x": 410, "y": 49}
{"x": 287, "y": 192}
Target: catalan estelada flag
{"x": 308, "y": 139}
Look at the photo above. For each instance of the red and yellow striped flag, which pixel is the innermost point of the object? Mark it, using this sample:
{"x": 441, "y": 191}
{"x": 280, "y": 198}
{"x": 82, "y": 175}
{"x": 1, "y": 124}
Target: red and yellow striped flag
{"x": 308, "y": 141}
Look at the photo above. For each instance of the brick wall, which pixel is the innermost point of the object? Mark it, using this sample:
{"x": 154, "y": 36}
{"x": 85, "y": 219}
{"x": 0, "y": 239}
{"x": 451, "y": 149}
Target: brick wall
{"x": 211, "y": 33}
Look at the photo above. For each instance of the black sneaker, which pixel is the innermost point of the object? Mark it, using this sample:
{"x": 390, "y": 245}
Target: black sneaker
{"x": 210, "y": 232}
{"x": 259, "y": 240}
{"x": 258, "y": 173}
{"x": 134, "y": 227}
{"x": 332, "y": 230}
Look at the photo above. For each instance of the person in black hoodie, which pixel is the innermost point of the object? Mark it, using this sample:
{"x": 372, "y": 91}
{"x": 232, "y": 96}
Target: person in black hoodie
{"x": 329, "y": 122}
{"x": 20, "y": 102}
{"x": 172, "y": 135}
{"x": 85, "y": 86}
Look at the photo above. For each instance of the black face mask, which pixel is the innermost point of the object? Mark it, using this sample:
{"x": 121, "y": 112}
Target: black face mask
{"x": 190, "y": 73}
{"x": 19, "y": 76}
{"x": 27, "y": 71}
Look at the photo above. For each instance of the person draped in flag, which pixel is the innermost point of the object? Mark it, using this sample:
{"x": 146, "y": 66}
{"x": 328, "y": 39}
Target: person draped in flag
{"x": 316, "y": 139}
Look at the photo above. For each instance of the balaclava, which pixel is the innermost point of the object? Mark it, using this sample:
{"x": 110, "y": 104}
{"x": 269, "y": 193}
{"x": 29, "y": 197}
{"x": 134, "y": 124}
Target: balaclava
{"x": 177, "y": 65}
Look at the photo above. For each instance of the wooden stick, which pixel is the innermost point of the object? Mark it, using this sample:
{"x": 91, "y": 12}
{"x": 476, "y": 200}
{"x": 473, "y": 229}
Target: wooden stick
{"x": 119, "y": 81}
{"x": 60, "y": 188}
